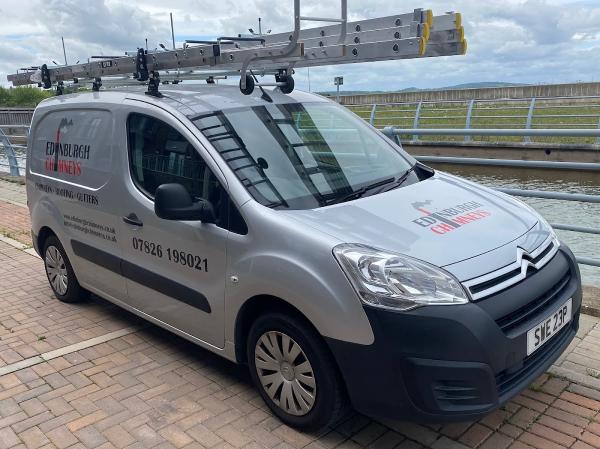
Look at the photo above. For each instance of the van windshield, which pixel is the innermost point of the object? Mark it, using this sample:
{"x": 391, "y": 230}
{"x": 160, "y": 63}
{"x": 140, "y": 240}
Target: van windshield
{"x": 302, "y": 155}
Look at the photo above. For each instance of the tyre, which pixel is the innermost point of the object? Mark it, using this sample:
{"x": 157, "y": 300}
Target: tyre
{"x": 60, "y": 272}
{"x": 294, "y": 372}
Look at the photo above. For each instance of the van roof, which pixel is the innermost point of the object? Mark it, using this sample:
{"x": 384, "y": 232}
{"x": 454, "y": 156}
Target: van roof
{"x": 189, "y": 99}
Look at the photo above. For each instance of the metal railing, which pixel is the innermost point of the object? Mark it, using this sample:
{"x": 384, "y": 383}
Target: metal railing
{"x": 395, "y": 133}
{"x": 14, "y": 155}
{"x": 529, "y": 114}
{"x": 16, "y": 116}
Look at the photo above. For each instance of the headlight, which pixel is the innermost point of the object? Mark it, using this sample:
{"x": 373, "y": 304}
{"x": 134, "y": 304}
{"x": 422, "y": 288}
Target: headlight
{"x": 394, "y": 281}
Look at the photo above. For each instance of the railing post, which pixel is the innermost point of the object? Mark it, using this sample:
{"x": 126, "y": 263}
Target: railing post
{"x": 598, "y": 140}
{"x": 417, "y": 119}
{"x": 469, "y": 115}
{"x": 527, "y": 139}
{"x": 389, "y": 132}
{"x": 372, "y": 118}
{"x": 10, "y": 154}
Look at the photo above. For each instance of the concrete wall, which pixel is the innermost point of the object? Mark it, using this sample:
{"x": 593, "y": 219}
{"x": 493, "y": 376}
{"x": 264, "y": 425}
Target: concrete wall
{"x": 494, "y": 93}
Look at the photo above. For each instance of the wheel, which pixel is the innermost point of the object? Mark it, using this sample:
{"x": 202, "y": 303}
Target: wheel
{"x": 289, "y": 84}
{"x": 294, "y": 372}
{"x": 249, "y": 85}
{"x": 60, "y": 272}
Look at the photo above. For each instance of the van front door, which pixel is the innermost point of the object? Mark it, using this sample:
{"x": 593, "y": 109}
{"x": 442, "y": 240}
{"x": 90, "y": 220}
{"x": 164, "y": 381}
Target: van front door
{"x": 175, "y": 270}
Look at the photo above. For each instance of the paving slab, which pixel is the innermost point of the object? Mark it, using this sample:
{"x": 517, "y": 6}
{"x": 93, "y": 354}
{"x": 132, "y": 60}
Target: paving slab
{"x": 12, "y": 190}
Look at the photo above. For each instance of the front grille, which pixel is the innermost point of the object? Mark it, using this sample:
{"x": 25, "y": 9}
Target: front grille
{"x": 475, "y": 289}
{"x": 538, "y": 306}
{"x": 505, "y": 277}
{"x": 456, "y": 393}
{"x": 508, "y": 379}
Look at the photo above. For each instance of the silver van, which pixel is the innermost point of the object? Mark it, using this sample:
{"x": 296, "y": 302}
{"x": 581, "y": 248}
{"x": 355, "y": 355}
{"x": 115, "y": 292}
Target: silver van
{"x": 285, "y": 233}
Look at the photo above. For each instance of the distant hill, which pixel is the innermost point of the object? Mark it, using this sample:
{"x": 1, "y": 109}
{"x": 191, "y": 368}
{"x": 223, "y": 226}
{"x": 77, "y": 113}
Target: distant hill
{"x": 480, "y": 85}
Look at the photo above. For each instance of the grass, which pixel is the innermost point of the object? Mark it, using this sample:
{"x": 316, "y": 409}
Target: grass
{"x": 491, "y": 115}
{"x": 593, "y": 373}
{"x": 23, "y": 97}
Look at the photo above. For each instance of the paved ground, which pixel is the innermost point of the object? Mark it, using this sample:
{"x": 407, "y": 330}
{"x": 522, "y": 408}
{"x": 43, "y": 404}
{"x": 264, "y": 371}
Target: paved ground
{"x": 13, "y": 192}
{"x": 92, "y": 375}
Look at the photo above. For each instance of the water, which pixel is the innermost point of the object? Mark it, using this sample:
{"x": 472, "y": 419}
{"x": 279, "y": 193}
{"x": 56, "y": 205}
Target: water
{"x": 566, "y": 212}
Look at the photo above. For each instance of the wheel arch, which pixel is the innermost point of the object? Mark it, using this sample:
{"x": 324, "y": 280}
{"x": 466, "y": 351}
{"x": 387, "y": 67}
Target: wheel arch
{"x": 42, "y": 235}
{"x": 251, "y": 310}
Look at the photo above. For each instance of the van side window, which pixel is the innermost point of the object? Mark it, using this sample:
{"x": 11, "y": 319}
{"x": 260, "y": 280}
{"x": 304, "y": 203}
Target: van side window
{"x": 159, "y": 154}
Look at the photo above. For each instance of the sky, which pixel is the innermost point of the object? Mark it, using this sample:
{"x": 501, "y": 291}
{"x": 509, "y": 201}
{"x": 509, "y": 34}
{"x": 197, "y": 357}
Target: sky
{"x": 518, "y": 41}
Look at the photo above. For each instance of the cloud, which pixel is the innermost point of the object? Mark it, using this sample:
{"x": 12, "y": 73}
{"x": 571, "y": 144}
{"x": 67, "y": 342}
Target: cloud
{"x": 528, "y": 41}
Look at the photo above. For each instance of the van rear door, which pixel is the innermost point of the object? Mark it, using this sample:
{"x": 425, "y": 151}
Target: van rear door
{"x": 71, "y": 190}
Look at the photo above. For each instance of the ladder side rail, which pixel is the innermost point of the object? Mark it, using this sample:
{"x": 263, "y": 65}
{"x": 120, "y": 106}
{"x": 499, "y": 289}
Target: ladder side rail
{"x": 378, "y": 54}
{"x": 401, "y": 21}
{"x": 373, "y": 51}
{"x": 360, "y": 37}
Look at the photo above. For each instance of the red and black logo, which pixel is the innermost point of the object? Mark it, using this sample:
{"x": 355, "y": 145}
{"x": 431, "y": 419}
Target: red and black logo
{"x": 65, "y": 157}
{"x": 449, "y": 219}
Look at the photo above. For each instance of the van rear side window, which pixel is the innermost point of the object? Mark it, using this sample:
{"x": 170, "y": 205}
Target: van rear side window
{"x": 73, "y": 146}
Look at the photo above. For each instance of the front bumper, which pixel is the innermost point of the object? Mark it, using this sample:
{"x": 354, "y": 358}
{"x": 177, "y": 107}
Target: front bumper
{"x": 454, "y": 363}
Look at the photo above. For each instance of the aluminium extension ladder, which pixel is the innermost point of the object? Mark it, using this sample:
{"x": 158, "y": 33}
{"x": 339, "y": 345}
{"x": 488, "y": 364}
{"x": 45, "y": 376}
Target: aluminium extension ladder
{"x": 418, "y": 34}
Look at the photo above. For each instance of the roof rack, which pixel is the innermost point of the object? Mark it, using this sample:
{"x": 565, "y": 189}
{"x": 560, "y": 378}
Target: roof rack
{"x": 418, "y": 34}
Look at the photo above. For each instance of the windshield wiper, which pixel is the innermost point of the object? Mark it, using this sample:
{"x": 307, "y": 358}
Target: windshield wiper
{"x": 400, "y": 180}
{"x": 362, "y": 191}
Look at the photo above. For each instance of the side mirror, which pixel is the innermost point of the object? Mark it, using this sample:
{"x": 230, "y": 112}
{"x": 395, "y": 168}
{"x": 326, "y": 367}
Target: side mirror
{"x": 174, "y": 202}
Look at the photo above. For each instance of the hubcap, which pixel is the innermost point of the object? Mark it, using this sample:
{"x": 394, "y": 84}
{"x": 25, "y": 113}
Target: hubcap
{"x": 285, "y": 373}
{"x": 56, "y": 270}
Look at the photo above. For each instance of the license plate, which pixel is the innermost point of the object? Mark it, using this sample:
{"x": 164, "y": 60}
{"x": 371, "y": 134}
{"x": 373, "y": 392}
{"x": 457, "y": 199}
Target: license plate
{"x": 545, "y": 330}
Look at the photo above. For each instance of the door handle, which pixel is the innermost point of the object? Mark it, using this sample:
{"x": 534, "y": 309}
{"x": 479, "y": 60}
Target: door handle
{"x": 133, "y": 220}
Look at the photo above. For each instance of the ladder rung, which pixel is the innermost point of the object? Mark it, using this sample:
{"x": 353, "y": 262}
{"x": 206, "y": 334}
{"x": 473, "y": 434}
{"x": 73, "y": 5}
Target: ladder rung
{"x": 219, "y": 136}
{"x": 208, "y": 128}
{"x": 230, "y": 150}
{"x": 245, "y": 166}
{"x": 253, "y": 183}
{"x": 223, "y": 137}
{"x": 237, "y": 158}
